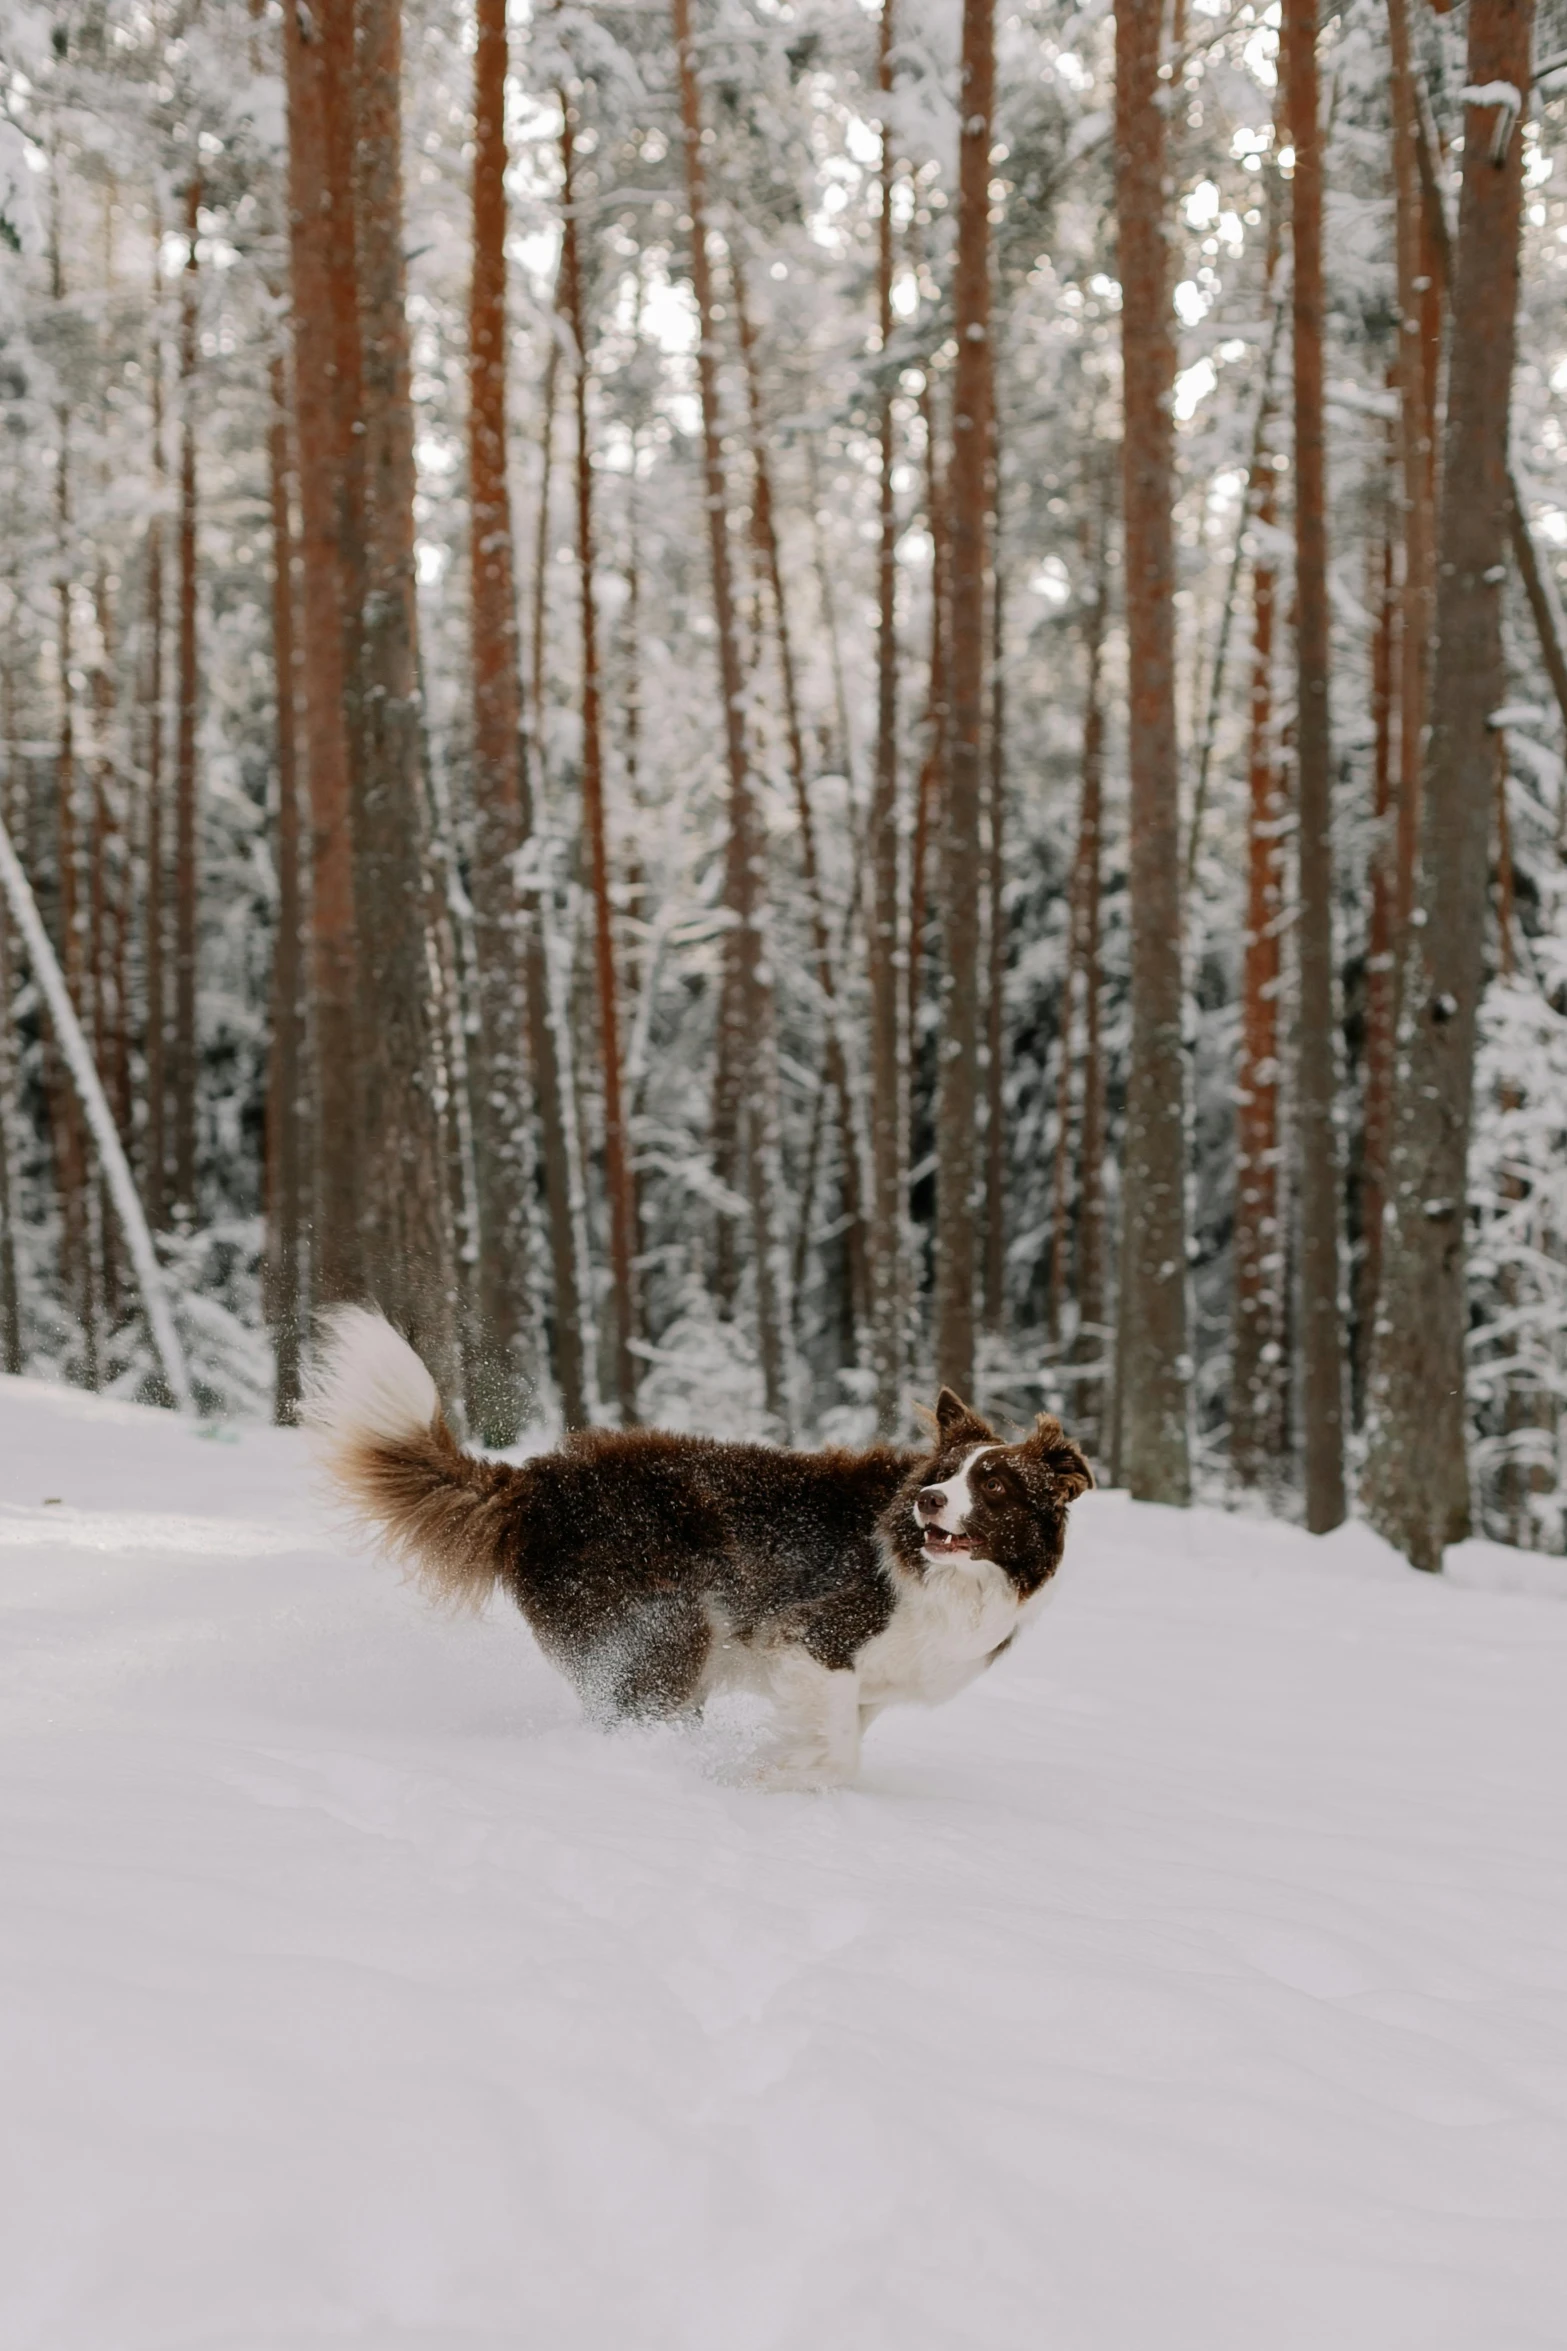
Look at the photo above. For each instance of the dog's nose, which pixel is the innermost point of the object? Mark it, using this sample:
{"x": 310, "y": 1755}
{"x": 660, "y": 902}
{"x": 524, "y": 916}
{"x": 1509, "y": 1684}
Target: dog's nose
{"x": 928, "y": 1502}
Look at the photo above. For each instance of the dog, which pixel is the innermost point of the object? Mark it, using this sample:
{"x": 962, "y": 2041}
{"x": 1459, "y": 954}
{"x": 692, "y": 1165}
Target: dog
{"x": 657, "y": 1570}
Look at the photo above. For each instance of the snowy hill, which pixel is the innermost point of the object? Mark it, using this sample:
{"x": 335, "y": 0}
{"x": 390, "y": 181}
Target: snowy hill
{"x": 1198, "y": 1978}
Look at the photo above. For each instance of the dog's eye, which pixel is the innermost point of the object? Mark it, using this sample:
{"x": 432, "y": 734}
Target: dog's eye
{"x": 995, "y": 1484}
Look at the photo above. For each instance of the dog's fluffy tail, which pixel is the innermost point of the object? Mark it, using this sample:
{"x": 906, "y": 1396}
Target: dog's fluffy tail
{"x": 380, "y": 1434}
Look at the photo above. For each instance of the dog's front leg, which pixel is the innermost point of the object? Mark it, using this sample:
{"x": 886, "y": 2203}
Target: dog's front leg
{"x": 817, "y": 1741}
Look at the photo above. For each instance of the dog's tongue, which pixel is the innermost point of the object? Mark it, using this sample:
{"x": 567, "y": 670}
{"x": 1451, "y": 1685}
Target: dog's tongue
{"x": 937, "y": 1540}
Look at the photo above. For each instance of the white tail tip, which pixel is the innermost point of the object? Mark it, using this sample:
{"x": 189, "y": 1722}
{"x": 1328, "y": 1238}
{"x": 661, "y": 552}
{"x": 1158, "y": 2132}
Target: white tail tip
{"x": 367, "y": 1384}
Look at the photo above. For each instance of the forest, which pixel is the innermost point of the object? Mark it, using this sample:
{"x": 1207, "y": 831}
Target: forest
{"x": 756, "y": 703}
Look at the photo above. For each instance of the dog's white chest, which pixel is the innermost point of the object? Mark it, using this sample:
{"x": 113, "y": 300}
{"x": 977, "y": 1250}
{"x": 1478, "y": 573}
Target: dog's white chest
{"x": 945, "y": 1629}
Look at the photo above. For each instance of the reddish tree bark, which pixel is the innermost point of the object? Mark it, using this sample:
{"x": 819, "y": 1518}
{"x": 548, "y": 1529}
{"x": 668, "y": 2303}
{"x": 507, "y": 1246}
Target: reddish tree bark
{"x": 1417, "y": 1482}
{"x": 957, "y": 1090}
{"x": 1153, "y": 1367}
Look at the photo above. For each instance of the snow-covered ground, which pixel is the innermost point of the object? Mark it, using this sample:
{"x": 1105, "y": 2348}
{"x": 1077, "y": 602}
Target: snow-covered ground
{"x": 1198, "y": 1978}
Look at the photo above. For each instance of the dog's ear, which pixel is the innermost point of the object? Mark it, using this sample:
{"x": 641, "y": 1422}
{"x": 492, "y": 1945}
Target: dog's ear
{"x": 1064, "y": 1462}
{"x": 954, "y": 1418}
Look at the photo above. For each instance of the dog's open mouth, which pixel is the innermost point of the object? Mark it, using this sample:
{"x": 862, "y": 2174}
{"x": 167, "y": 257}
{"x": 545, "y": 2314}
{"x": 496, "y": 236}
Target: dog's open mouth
{"x": 941, "y": 1545}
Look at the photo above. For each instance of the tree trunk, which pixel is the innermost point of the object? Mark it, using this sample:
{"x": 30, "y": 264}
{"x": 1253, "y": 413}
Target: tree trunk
{"x": 449, "y": 964}
{"x": 154, "y": 920}
{"x": 11, "y": 1352}
{"x": 996, "y": 944}
{"x": 1256, "y": 1382}
{"x": 1092, "y": 1338}
{"x": 1216, "y": 681}
{"x": 933, "y": 763}
{"x": 1381, "y": 1020}
{"x": 556, "y": 1131}
{"x": 1321, "y": 1313}
{"x": 1417, "y": 1484}
{"x": 497, "y": 1048}
{"x": 405, "y": 1221}
{"x": 1419, "y": 349}
{"x": 284, "y": 1155}
{"x": 70, "y": 1139}
{"x": 844, "y": 746}
{"x": 957, "y": 1103}
{"x": 638, "y": 896}
{"x": 183, "y": 1073}
{"x": 102, "y": 875}
{"x": 724, "y": 1133}
{"x": 556, "y": 1144}
{"x": 83, "y": 1078}
{"x": 1415, "y": 371}
{"x": 889, "y": 1116}
{"x": 619, "y": 1176}
{"x": 744, "y": 876}
{"x": 541, "y": 546}
{"x": 1154, "y": 1368}
{"x": 1087, "y": 846}
{"x": 317, "y": 54}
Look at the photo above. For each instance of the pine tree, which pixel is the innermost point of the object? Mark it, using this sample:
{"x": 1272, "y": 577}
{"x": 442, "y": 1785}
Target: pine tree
{"x": 498, "y": 1046}
{"x": 1321, "y": 1319}
{"x": 1416, "y": 1481}
{"x": 957, "y": 1090}
{"x": 187, "y": 690}
{"x": 1257, "y": 1343}
{"x": 1091, "y": 1338}
{"x": 154, "y": 918}
{"x": 1153, "y": 1368}
{"x": 285, "y": 1157}
{"x": 320, "y": 249}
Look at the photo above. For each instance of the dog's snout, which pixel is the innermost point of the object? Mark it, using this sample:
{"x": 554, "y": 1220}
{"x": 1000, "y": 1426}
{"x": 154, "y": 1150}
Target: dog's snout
{"x": 928, "y": 1502}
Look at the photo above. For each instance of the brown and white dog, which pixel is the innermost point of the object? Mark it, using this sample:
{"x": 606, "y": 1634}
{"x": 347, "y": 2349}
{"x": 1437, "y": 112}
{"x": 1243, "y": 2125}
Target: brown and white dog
{"x": 658, "y": 1570}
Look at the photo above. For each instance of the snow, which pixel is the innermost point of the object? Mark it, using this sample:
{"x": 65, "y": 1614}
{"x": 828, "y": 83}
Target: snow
{"x": 1197, "y": 1978}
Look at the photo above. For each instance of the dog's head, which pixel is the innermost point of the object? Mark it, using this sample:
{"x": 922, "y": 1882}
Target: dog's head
{"x": 975, "y": 1497}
